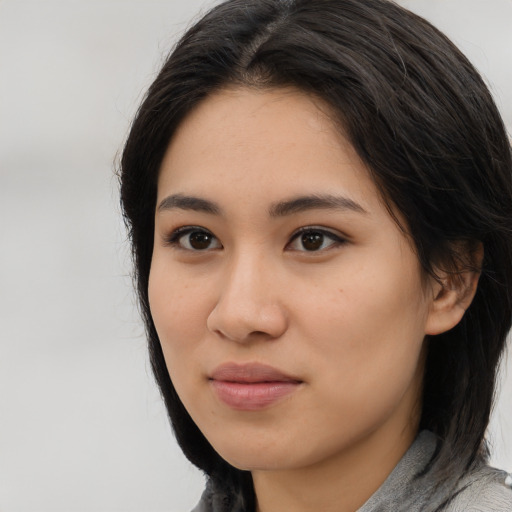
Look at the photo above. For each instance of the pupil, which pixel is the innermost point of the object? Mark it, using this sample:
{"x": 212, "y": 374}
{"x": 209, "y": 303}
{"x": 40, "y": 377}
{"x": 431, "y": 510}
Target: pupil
{"x": 312, "y": 241}
{"x": 200, "y": 240}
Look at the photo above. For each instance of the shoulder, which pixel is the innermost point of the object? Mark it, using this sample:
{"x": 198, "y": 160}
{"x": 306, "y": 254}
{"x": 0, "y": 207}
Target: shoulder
{"x": 484, "y": 490}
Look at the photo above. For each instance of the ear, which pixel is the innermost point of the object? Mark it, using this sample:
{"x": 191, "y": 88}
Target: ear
{"x": 453, "y": 291}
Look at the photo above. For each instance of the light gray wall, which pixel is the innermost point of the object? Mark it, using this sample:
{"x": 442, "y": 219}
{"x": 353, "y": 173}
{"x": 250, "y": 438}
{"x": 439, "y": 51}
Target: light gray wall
{"x": 82, "y": 427}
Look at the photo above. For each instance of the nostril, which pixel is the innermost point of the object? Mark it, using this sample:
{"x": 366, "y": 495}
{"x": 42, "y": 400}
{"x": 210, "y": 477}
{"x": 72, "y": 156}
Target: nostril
{"x": 259, "y": 333}
{"x": 244, "y": 324}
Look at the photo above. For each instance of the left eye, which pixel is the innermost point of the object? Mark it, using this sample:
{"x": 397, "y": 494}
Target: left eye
{"x": 312, "y": 240}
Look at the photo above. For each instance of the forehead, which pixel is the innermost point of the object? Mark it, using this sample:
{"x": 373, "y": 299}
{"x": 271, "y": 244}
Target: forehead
{"x": 277, "y": 141}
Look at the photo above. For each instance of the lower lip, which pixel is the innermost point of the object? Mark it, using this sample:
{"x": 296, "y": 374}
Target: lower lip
{"x": 252, "y": 396}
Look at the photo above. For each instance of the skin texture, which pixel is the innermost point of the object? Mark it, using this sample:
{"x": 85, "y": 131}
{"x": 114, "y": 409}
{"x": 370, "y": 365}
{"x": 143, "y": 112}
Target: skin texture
{"x": 348, "y": 321}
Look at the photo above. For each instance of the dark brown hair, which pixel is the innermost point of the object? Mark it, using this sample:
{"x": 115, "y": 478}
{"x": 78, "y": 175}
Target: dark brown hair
{"x": 423, "y": 122}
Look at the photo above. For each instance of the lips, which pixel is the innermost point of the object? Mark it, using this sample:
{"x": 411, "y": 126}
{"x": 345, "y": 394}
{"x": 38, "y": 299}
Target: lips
{"x": 251, "y": 387}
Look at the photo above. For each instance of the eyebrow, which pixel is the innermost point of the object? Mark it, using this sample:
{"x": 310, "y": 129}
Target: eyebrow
{"x": 280, "y": 209}
{"x": 182, "y": 202}
{"x": 315, "y": 202}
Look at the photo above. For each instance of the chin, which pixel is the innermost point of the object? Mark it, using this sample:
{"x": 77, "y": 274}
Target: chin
{"x": 258, "y": 462}
{"x": 270, "y": 455}
{"x": 253, "y": 456}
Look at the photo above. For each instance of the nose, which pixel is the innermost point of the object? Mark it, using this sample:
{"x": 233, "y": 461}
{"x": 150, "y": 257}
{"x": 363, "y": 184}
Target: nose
{"x": 248, "y": 305}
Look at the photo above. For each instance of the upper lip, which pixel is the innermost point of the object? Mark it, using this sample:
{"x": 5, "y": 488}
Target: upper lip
{"x": 250, "y": 372}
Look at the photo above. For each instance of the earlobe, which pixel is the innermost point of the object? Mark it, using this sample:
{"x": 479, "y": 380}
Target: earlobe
{"x": 453, "y": 293}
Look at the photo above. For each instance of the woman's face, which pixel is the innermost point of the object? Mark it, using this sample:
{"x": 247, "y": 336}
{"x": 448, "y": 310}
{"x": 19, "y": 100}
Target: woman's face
{"x": 290, "y": 307}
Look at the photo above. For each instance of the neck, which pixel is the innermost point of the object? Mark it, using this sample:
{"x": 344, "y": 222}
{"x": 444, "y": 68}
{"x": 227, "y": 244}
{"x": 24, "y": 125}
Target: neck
{"x": 342, "y": 483}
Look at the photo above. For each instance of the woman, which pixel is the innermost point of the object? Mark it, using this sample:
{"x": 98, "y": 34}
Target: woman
{"x": 319, "y": 198}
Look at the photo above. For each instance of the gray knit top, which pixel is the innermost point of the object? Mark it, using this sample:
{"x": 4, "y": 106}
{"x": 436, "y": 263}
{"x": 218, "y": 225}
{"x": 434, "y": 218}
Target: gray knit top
{"x": 482, "y": 490}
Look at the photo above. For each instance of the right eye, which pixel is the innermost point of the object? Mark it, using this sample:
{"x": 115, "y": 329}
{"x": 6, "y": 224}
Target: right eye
{"x": 193, "y": 238}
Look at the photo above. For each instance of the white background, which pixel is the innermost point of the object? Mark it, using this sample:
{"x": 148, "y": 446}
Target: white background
{"x": 82, "y": 427}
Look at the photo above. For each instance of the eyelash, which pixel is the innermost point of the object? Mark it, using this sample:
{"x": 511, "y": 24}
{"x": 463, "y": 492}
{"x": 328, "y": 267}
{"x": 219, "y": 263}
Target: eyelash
{"x": 336, "y": 240}
{"x": 174, "y": 238}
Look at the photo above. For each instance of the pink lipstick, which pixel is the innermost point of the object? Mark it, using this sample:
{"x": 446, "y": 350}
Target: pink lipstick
{"x": 251, "y": 387}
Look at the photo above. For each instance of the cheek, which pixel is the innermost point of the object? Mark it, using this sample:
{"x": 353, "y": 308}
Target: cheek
{"x": 365, "y": 344}
{"x": 179, "y": 308}
{"x": 372, "y": 324}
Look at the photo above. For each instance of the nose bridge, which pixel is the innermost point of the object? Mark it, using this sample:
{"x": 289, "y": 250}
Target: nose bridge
{"x": 248, "y": 301}
{"x": 247, "y": 272}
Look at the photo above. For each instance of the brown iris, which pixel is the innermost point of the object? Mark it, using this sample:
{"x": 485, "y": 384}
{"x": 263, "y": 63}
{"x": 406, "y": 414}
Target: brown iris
{"x": 312, "y": 241}
{"x": 200, "y": 240}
